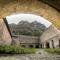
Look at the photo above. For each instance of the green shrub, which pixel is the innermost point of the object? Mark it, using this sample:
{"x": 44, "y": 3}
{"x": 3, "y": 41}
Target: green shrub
{"x": 10, "y": 49}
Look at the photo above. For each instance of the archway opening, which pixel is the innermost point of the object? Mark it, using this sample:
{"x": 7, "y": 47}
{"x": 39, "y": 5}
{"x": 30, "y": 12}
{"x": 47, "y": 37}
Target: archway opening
{"x": 24, "y": 22}
{"x": 52, "y": 43}
{"x": 16, "y": 18}
{"x": 23, "y": 46}
{"x": 37, "y": 46}
{"x": 31, "y": 46}
{"x": 47, "y": 45}
{"x": 59, "y": 43}
{"x": 28, "y": 25}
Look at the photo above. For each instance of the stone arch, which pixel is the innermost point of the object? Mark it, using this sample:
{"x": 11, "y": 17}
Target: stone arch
{"x": 47, "y": 45}
{"x": 59, "y": 43}
{"x": 31, "y": 46}
{"x": 23, "y": 46}
{"x": 52, "y": 41}
{"x": 31, "y": 7}
{"x": 37, "y": 46}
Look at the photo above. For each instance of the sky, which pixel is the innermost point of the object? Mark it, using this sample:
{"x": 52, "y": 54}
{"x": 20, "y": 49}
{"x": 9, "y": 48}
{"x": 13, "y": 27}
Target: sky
{"x": 27, "y": 17}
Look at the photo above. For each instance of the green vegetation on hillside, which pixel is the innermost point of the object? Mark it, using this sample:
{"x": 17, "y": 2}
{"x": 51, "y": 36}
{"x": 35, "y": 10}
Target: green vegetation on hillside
{"x": 26, "y": 28}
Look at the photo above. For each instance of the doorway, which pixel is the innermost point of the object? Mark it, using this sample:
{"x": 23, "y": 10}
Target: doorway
{"x": 59, "y": 43}
{"x": 52, "y": 43}
{"x": 37, "y": 46}
{"x": 47, "y": 45}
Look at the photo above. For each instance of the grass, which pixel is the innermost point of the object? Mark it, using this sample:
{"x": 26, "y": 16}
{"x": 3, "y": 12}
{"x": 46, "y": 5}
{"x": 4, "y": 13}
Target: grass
{"x": 4, "y": 49}
{"x": 11, "y": 49}
{"x": 53, "y": 51}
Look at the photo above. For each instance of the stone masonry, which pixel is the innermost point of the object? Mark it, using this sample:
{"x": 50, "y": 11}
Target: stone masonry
{"x": 36, "y": 7}
{"x": 51, "y": 38}
{"x": 5, "y": 37}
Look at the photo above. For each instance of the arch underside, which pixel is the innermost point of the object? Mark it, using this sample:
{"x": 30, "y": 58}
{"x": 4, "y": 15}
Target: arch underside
{"x": 9, "y": 7}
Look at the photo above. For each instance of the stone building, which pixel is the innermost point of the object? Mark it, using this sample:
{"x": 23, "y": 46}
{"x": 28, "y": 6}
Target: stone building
{"x": 50, "y": 38}
{"x": 5, "y": 35}
{"x": 26, "y": 41}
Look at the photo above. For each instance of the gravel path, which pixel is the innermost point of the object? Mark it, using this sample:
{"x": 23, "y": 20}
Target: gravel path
{"x": 30, "y": 57}
{"x": 40, "y": 55}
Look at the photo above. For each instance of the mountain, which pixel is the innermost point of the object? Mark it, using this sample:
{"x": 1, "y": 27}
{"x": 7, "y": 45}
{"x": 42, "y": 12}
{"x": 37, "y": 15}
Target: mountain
{"x": 26, "y": 28}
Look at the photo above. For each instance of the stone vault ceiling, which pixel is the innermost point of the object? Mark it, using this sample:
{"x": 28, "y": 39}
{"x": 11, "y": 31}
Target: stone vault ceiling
{"x": 54, "y": 3}
{"x": 38, "y": 7}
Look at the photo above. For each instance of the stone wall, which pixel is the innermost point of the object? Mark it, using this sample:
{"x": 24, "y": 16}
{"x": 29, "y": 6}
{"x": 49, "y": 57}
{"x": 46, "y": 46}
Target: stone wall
{"x": 5, "y": 37}
{"x": 49, "y": 33}
{"x": 55, "y": 41}
{"x": 51, "y": 37}
{"x": 24, "y": 40}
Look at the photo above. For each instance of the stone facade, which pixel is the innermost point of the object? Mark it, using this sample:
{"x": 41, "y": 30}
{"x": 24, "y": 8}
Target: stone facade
{"x": 5, "y": 37}
{"x": 26, "y": 41}
{"x": 51, "y": 38}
